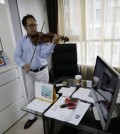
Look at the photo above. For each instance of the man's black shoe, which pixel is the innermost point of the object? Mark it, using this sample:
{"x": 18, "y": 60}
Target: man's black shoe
{"x": 29, "y": 123}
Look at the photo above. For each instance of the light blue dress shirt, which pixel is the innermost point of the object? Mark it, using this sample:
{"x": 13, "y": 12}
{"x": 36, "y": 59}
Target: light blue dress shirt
{"x": 25, "y": 49}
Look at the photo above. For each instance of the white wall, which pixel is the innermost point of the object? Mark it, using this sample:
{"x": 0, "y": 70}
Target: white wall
{"x": 5, "y": 33}
{"x": 37, "y": 8}
{"x": 11, "y": 14}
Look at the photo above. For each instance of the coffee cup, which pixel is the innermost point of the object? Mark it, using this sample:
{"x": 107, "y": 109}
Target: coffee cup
{"x": 78, "y": 79}
{"x": 95, "y": 81}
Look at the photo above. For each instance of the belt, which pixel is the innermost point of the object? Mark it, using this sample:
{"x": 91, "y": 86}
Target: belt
{"x": 37, "y": 70}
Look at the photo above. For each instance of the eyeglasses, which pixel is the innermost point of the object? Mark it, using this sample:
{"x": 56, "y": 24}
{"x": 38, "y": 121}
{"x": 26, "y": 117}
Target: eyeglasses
{"x": 32, "y": 25}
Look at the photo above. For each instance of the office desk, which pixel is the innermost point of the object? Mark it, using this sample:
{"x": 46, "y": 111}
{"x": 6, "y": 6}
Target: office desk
{"x": 88, "y": 124}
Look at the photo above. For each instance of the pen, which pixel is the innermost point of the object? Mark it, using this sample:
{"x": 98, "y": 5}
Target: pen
{"x": 67, "y": 105}
{"x": 63, "y": 105}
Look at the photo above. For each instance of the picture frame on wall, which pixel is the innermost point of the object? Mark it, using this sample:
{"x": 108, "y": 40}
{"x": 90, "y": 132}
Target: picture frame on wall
{"x": 2, "y": 62}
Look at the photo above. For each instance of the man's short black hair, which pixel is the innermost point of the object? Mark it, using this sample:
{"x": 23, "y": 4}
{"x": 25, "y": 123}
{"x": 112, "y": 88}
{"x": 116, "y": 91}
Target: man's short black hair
{"x": 25, "y": 19}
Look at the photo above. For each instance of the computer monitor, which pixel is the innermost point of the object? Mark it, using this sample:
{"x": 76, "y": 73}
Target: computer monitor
{"x": 106, "y": 91}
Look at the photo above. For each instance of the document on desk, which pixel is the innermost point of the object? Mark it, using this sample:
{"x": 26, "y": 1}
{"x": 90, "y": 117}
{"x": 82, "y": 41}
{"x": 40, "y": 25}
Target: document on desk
{"x": 79, "y": 113}
{"x": 83, "y": 94}
{"x": 72, "y": 116}
{"x": 38, "y": 105}
{"x": 67, "y": 91}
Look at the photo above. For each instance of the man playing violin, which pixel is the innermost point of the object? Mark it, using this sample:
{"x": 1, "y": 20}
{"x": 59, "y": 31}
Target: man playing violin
{"x": 35, "y": 70}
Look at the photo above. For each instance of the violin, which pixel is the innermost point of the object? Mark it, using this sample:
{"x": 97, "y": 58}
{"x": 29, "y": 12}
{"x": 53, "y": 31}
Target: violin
{"x": 38, "y": 37}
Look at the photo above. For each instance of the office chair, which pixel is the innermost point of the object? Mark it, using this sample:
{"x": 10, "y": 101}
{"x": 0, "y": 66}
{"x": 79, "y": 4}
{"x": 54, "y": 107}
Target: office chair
{"x": 64, "y": 62}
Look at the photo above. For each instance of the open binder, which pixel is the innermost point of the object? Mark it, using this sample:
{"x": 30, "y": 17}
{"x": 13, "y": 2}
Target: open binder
{"x": 45, "y": 95}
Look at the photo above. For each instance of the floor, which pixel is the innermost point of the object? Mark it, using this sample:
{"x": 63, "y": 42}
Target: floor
{"x": 37, "y": 128}
{"x": 18, "y": 128}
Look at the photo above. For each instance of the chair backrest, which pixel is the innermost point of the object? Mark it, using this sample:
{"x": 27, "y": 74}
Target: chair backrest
{"x": 64, "y": 60}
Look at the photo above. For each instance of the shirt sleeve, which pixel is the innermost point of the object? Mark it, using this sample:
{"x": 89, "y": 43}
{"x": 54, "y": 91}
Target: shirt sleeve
{"x": 18, "y": 54}
{"x": 46, "y": 50}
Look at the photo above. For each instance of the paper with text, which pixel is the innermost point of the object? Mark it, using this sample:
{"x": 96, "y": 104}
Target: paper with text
{"x": 83, "y": 94}
{"x": 72, "y": 116}
{"x": 38, "y": 105}
{"x": 79, "y": 113}
{"x": 67, "y": 91}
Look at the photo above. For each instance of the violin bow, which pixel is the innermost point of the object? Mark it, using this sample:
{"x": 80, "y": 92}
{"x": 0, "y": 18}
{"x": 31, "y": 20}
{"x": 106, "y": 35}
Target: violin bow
{"x": 37, "y": 43}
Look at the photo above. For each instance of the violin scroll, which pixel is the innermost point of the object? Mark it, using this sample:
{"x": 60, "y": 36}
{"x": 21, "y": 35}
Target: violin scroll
{"x": 64, "y": 38}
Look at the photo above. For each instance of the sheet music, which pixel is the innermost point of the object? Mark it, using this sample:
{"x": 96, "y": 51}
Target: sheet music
{"x": 38, "y": 105}
{"x": 72, "y": 116}
{"x": 83, "y": 94}
{"x": 67, "y": 91}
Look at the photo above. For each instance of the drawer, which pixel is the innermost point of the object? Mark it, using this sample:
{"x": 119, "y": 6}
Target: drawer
{"x": 11, "y": 114}
{"x": 9, "y": 93}
{"x": 8, "y": 76}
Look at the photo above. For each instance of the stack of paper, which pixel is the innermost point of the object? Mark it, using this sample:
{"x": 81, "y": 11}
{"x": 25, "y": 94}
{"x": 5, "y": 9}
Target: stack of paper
{"x": 67, "y": 91}
{"x": 83, "y": 94}
{"x": 72, "y": 116}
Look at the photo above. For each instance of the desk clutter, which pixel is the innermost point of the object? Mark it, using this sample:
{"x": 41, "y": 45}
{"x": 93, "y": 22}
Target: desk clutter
{"x": 67, "y": 108}
{"x": 70, "y": 106}
{"x": 72, "y": 116}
